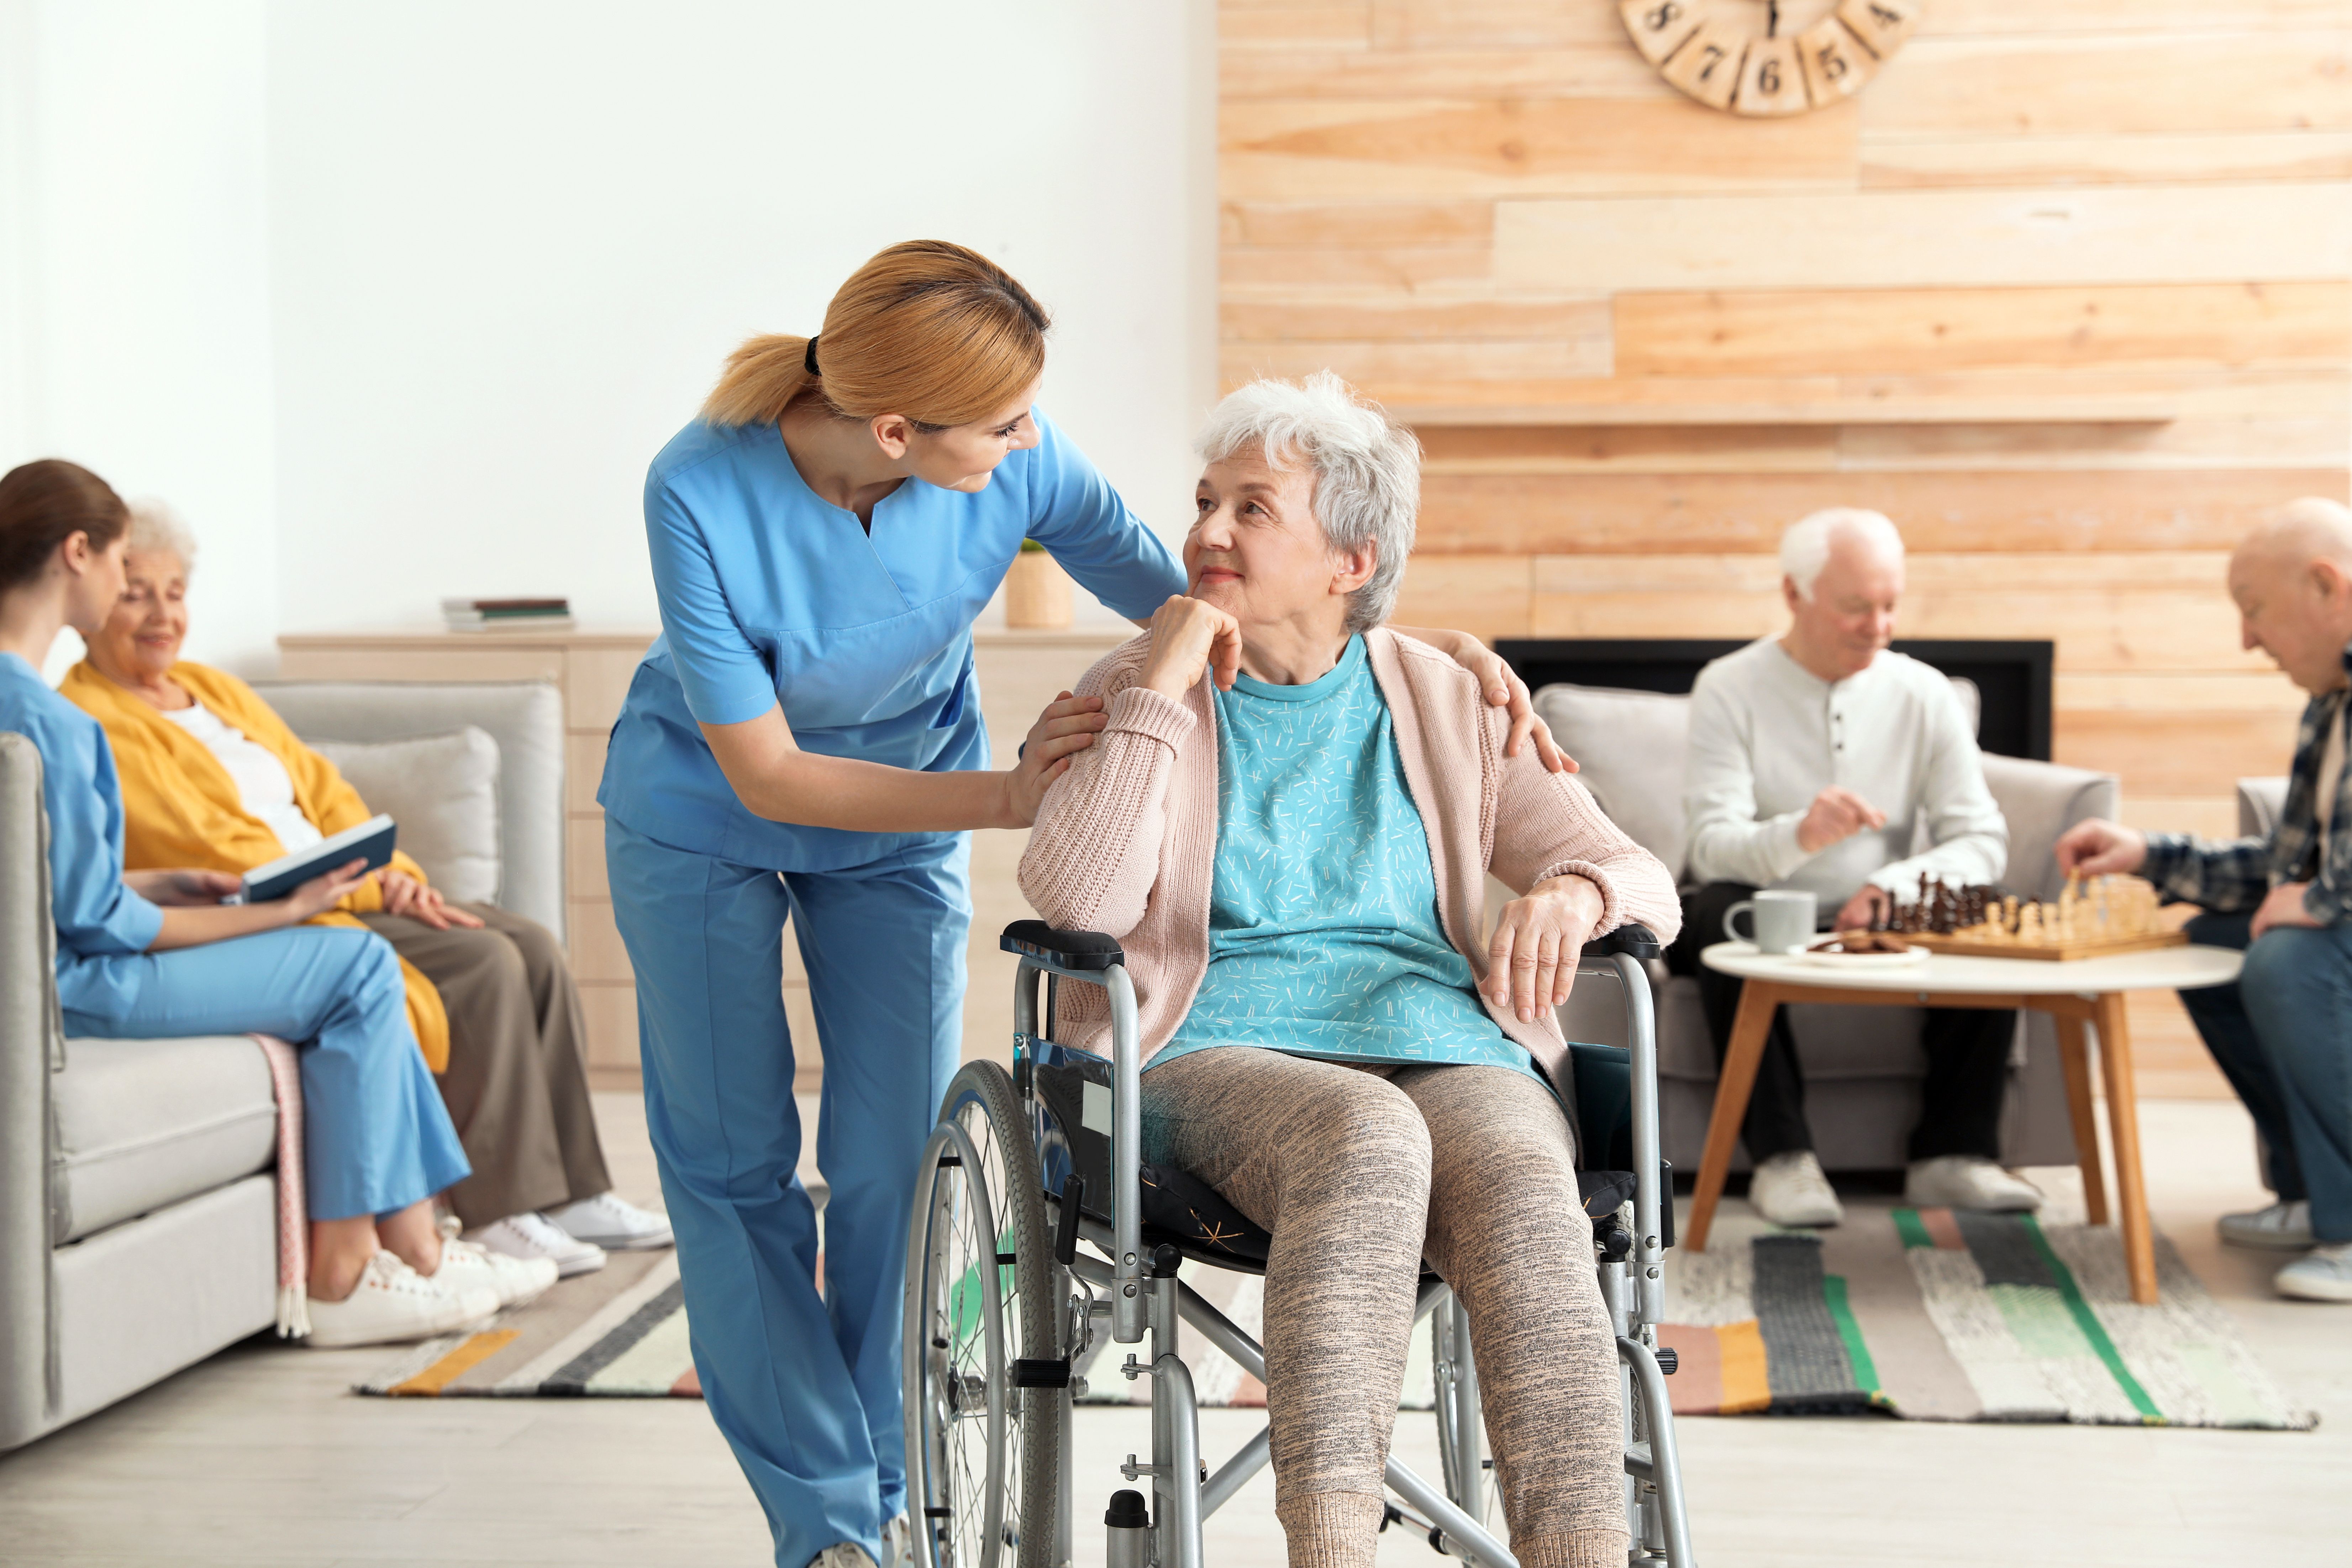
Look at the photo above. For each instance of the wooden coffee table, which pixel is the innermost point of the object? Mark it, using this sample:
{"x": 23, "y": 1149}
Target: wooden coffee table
{"x": 2086, "y": 991}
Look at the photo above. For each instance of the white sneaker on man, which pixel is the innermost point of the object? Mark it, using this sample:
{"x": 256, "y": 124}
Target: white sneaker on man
{"x": 1967, "y": 1182}
{"x": 2323, "y": 1274}
{"x": 843, "y": 1554}
{"x": 393, "y": 1303}
{"x": 1789, "y": 1189}
{"x": 516, "y": 1281}
{"x": 529, "y": 1235}
{"x": 2283, "y": 1227}
{"x": 611, "y": 1224}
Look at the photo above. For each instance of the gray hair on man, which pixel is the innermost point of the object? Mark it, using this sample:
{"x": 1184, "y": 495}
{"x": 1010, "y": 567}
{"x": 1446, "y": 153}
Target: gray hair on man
{"x": 1805, "y": 548}
{"x": 155, "y": 526}
{"x": 1366, "y": 471}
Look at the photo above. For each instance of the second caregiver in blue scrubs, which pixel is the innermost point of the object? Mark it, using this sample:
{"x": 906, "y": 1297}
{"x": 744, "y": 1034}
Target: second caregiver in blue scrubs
{"x": 804, "y": 743}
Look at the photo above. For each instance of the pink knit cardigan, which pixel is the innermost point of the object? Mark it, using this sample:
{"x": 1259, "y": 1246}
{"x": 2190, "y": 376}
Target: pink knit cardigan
{"x": 1126, "y": 843}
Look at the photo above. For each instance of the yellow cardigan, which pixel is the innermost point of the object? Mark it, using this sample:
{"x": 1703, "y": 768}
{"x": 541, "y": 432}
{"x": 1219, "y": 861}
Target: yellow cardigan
{"x": 181, "y": 808}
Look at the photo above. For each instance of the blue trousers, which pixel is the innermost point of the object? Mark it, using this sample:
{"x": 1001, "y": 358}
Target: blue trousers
{"x": 2283, "y": 1037}
{"x": 803, "y": 1386}
{"x": 375, "y": 1136}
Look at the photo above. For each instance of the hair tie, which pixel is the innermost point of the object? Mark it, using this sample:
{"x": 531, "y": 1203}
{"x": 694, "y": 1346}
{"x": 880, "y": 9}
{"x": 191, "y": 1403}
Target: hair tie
{"x": 808, "y": 359}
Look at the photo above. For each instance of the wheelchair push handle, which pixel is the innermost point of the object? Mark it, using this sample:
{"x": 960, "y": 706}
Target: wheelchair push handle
{"x": 1091, "y": 950}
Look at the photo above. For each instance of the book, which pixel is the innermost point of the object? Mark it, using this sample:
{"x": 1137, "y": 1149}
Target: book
{"x": 508, "y": 614}
{"x": 372, "y": 840}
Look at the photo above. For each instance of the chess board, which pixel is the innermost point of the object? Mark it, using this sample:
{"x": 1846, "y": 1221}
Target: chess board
{"x": 2052, "y": 950}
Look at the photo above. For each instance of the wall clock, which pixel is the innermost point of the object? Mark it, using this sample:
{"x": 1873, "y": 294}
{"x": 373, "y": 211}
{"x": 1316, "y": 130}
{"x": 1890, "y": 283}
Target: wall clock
{"x": 1765, "y": 57}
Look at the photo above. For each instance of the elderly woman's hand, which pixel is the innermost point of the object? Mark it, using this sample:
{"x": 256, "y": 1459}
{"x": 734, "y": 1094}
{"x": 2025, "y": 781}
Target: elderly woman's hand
{"x": 1189, "y": 636}
{"x": 1531, "y": 961}
{"x": 1504, "y": 688}
{"x": 405, "y": 895}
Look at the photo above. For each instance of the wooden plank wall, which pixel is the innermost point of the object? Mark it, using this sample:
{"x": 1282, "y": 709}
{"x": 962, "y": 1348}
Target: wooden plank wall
{"x": 2067, "y": 292}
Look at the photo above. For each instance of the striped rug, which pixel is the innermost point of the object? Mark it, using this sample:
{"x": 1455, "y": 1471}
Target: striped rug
{"x": 1937, "y": 1315}
{"x": 619, "y": 1333}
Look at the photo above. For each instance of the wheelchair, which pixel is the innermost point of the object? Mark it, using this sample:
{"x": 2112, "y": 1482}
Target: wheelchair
{"x": 1002, "y": 1304}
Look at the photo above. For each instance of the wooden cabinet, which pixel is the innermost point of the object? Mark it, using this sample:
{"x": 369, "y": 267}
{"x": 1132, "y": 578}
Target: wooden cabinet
{"x": 1019, "y": 672}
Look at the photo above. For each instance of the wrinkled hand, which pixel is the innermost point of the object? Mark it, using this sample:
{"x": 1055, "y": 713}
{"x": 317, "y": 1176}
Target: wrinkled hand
{"x": 1188, "y": 636}
{"x": 322, "y": 893}
{"x": 1835, "y": 815}
{"x": 2284, "y": 906}
{"x": 184, "y": 889}
{"x": 405, "y": 895}
{"x": 1862, "y": 910}
{"x": 1065, "y": 728}
{"x": 2098, "y": 848}
{"x": 1504, "y": 688}
{"x": 1531, "y": 958}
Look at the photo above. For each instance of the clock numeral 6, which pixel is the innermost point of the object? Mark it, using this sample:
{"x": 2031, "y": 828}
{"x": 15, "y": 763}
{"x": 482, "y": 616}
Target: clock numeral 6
{"x": 1767, "y": 78}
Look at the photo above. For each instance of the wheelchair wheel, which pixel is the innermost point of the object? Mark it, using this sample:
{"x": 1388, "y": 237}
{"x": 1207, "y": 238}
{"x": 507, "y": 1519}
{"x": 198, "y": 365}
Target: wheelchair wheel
{"x": 1461, "y": 1415}
{"x": 983, "y": 1453}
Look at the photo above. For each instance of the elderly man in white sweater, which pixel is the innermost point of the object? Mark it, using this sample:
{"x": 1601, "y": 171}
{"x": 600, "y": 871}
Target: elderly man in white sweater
{"x": 1815, "y": 759}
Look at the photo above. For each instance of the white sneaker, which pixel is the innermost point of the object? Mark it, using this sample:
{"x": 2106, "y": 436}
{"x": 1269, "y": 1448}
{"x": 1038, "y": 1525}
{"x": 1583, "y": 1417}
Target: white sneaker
{"x": 2285, "y": 1228}
{"x": 514, "y": 1281}
{"x": 1789, "y": 1189}
{"x": 845, "y": 1555}
{"x": 529, "y": 1235}
{"x": 899, "y": 1543}
{"x": 2323, "y": 1274}
{"x": 393, "y": 1303}
{"x": 609, "y": 1223}
{"x": 1969, "y": 1181}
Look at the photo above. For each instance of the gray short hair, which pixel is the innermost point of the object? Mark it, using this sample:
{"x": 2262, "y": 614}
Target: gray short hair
{"x": 1367, "y": 469}
{"x": 155, "y": 526}
{"x": 1805, "y": 548}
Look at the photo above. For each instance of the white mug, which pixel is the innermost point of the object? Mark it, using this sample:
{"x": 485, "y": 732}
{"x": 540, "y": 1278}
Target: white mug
{"x": 1783, "y": 916}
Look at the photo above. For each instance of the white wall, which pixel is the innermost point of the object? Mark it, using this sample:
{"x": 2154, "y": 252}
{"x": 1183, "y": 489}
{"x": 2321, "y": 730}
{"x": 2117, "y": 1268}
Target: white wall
{"x": 513, "y": 243}
{"x": 135, "y": 292}
{"x": 396, "y": 302}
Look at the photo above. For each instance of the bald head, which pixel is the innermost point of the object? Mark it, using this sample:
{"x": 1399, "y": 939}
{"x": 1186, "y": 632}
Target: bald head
{"x": 2292, "y": 578}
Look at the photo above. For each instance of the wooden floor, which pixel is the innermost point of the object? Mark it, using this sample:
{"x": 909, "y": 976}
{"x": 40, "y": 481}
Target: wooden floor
{"x": 259, "y": 1459}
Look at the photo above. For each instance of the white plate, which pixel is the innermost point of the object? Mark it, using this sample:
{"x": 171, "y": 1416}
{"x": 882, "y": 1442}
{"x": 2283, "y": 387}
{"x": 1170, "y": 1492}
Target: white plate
{"x": 1865, "y": 959}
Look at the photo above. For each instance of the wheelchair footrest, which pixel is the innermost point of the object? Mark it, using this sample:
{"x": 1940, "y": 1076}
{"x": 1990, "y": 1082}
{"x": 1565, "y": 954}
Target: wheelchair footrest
{"x": 1039, "y": 1374}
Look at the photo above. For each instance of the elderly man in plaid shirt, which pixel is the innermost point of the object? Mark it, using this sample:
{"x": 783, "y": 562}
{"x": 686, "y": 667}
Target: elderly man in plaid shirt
{"x": 2282, "y": 1033}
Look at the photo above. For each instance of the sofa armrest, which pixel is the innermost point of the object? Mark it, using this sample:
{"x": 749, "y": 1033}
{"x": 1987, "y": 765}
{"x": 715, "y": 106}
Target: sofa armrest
{"x": 2040, "y": 802}
{"x": 31, "y": 1045}
{"x": 525, "y": 720}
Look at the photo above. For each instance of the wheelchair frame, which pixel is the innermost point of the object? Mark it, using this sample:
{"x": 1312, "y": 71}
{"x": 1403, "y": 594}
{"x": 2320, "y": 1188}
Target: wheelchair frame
{"x": 1137, "y": 1292}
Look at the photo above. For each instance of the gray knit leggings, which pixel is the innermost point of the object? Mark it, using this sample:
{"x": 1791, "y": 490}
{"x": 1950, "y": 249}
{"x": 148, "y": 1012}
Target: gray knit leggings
{"x": 1358, "y": 1173}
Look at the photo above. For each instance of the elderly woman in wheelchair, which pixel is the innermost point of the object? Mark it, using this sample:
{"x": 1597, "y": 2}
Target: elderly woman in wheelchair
{"x": 1288, "y": 826}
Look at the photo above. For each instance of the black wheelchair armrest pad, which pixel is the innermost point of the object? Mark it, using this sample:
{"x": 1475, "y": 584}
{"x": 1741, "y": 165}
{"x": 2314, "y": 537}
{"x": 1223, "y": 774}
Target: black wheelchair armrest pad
{"x": 1639, "y": 940}
{"x": 1068, "y": 949}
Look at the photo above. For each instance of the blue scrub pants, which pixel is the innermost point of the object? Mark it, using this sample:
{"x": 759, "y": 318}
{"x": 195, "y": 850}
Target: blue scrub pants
{"x": 2282, "y": 1034}
{"x": 803, "y": 1386}
{"x": 375, "y": 1136}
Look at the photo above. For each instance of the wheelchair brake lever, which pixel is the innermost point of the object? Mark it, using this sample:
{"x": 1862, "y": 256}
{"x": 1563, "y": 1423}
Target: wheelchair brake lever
{"x": 1066, "y": 1232}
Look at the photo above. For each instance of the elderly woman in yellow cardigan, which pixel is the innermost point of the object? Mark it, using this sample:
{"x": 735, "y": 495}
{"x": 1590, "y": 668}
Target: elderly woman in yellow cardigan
{"x": 213, "y": 778}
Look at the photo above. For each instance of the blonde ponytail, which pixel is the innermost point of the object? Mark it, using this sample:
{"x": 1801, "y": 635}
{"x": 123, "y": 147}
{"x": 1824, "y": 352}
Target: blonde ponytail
{"x": 929, "y": 330}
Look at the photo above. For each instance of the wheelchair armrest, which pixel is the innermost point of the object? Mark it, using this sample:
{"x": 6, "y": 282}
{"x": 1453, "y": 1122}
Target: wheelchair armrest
{"x": 1637, "y": 940}
{"x": 1062, "y": 949}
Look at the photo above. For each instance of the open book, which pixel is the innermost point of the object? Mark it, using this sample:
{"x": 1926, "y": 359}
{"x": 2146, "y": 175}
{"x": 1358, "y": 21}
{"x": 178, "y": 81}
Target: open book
{"x": 371, "y": 840}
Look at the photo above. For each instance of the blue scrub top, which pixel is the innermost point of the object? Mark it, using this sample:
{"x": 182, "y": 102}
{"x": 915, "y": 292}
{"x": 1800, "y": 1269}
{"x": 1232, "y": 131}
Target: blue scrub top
{"x": 771, "y": 595}
{"x": 98, "y": 918}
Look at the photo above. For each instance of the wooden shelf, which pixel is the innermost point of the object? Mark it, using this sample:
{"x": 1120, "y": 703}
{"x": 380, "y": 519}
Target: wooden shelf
{"x": 1796, "y": 411}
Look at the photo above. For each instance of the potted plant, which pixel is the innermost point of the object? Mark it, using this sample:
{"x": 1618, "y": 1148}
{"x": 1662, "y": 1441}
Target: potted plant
{"x": 1037, "y": 592}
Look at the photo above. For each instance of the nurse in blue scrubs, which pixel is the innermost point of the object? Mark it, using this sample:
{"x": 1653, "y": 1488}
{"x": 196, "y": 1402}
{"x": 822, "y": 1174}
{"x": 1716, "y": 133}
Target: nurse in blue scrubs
{"x": 804, "y": 745}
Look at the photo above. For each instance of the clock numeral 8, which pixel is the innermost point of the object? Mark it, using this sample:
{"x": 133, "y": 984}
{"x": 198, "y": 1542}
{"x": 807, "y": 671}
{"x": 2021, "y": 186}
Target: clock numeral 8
{"x": 1663, "y": 16}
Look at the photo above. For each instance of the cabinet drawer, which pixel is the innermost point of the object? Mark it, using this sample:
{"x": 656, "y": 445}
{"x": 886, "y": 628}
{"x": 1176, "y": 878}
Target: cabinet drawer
{"x": 597, "y": 685}
{"x": 598, "y": 954}
{"x": 611, "y": 1014}
{"x": 583, "y": 769}
{"x": 584, "y": 858}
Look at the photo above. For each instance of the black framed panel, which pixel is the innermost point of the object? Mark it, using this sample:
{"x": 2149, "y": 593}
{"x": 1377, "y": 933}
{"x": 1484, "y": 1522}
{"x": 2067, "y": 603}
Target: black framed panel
{"x": 2012, "y": 678}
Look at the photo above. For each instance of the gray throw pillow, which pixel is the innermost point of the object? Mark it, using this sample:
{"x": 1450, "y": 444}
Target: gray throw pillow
{"x": 1630, "y": 745}
{"x": 443, "y": 790}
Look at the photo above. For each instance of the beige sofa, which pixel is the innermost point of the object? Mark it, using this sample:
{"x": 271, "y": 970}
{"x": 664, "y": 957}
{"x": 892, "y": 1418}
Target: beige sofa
{"x": 138, "y": 1217}
{"x": 1863, "y": 1064}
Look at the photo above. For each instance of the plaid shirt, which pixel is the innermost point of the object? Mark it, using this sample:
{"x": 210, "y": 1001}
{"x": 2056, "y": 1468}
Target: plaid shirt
{"x": 2235, "y": 878}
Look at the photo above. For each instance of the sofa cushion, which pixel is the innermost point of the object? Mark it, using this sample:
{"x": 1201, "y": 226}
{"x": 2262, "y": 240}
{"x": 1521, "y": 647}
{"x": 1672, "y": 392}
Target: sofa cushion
{"x": 443, "y": 790}
{"x": 145, "y": 1123}
{"x": 1630, "y": 745}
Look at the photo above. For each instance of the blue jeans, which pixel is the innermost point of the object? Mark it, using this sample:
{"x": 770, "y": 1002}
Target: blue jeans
{"x": 803, "y": 1386}
{"x": 2283, "y": 1037}
{"x": 375, "y": 1136}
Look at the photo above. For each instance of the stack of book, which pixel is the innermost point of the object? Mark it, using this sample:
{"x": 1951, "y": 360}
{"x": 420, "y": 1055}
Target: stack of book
{"x": 508, "y": 614}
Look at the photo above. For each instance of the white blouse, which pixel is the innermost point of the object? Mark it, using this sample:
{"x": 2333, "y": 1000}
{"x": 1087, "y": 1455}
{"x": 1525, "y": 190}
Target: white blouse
{"x": 264, "y": 787}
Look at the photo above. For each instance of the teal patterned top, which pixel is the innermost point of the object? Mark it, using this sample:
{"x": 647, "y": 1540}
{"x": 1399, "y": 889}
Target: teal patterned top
{"x": 1324, "y": 938}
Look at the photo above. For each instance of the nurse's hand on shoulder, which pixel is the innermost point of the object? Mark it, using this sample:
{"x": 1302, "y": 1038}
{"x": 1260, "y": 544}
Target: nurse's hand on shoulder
{"x": 1188, "y": 636}
{"x": 1504, "y": 688}
{"x": 1067, "y": 726}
